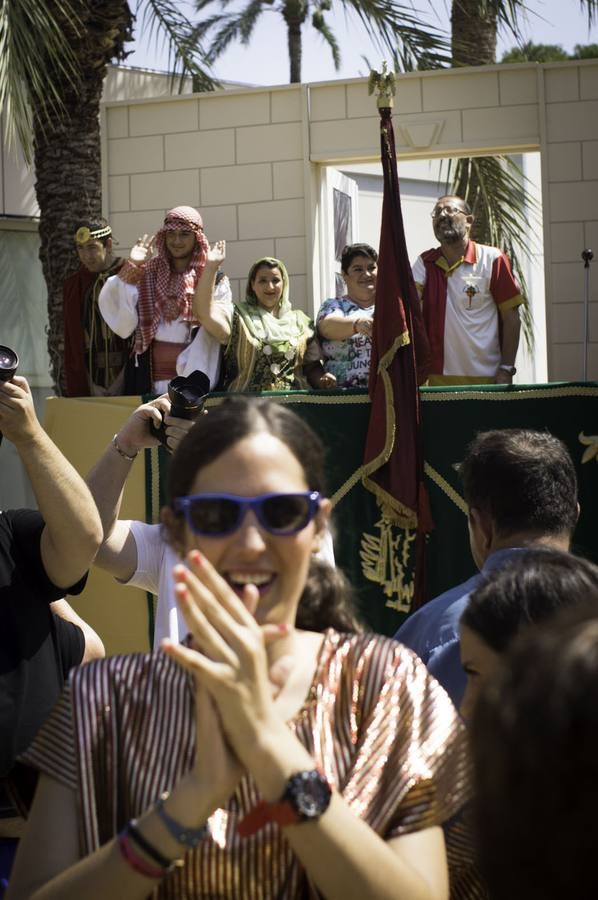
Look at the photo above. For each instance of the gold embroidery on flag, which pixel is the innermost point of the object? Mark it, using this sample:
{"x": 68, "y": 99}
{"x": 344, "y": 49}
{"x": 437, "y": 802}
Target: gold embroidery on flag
{"x": 385, "y": 560}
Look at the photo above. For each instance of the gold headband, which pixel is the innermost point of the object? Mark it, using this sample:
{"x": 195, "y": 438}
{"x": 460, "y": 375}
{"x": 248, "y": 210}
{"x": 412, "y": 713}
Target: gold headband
{"x": 84, "y": 234}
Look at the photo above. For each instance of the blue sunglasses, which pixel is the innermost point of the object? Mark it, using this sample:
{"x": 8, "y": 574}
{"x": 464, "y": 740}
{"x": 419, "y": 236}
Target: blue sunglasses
{"x": 214, "y": 515}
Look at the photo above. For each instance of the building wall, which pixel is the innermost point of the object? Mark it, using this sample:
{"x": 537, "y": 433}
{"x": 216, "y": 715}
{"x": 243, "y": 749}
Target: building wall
{"x": 252, "y": 161}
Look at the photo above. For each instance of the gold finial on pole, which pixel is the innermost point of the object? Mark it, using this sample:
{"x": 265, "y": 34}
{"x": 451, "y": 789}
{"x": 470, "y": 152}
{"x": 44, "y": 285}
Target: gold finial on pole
{"x": 385, "y": 83}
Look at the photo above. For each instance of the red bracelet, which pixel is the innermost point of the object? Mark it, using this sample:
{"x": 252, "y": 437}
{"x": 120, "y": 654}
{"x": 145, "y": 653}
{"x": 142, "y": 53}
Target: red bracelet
{"x": 137, "y": 863}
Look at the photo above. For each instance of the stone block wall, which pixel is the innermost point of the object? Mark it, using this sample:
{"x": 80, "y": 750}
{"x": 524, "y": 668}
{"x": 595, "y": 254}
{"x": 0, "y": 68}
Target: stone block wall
{"x": 252, "y": 161}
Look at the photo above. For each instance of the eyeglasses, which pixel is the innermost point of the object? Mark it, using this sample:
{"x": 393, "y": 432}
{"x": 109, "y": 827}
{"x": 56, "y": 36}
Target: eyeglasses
{"x": 214, "y": 515}
{"x": 448, "y": 210}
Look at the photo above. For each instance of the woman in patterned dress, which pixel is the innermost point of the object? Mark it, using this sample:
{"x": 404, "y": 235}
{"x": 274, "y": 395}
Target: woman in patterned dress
{"x": 268, "y": 345}
{"x": 275, "y": 753}
{"x": 345, "y": 323}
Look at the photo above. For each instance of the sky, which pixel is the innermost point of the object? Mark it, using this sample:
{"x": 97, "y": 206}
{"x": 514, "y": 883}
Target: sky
{"x": 265, "y": 60}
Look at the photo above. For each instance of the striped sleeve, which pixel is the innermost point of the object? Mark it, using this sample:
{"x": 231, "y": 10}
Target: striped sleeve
{"x": 411, "y": 766}
{"x": 53, "y": 752}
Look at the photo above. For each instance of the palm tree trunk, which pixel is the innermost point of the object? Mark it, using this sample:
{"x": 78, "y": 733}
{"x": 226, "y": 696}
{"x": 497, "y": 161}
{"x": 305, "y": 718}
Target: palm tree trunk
{"x": 294, "y": 14}
{"x": 67, "y": 156}
{"x": 473, "y": 33}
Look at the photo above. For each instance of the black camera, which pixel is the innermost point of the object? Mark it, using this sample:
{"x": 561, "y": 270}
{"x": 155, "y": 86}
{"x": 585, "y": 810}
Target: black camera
{"x": 9, "y": 362}
{"x": 187, "y": 397}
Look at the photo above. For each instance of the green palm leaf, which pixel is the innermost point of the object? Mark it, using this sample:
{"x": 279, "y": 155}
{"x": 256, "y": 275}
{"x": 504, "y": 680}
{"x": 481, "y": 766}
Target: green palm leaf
{"x": 35, "y": 60}
{"x": 165, "y": 24}
{"x": 386, "y": 22}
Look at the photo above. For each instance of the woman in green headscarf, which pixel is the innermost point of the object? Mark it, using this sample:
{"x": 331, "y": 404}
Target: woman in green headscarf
{"x": 268, "y": 345}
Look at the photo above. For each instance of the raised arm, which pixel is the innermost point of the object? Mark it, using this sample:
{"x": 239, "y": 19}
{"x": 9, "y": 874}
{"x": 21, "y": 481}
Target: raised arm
{"x": 341, "y": 853}
{"x": 213, "y": 316}
{"x": 72, "y": 531}
{"x": 106, "y": 481}
{"x": 118, "y": 298}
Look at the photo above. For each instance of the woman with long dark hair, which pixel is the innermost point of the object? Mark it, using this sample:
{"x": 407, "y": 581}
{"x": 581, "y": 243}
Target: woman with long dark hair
{"x": 276, "y": 753}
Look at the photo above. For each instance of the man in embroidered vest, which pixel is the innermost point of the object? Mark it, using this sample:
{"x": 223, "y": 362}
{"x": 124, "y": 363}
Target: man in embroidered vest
{"x": 94, "y": 356}
{"x": 470, "y": 302}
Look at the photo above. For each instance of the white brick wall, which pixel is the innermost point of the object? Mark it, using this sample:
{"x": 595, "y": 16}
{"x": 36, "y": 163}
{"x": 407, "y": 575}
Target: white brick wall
{"x": 570, "y": 213}
{"x": 251, "y": 161}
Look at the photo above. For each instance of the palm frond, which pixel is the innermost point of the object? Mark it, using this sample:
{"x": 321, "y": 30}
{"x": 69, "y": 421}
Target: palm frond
{"x": 321, "y": 26}
{"x": 399, "y": 30}
{"x": 36, "y": 59}
{"x": 500, "y": 199}
{"x": 231, "y": 27}
{"x": 168, "y": 26}
{"x": 591, "y": 7}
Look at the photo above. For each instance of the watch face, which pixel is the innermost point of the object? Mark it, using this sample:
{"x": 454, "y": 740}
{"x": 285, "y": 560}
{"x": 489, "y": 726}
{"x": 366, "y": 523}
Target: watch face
{"x": 309, "y": 793}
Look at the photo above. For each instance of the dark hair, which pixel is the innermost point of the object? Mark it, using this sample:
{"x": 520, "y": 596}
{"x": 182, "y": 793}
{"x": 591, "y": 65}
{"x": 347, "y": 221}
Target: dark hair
{"x": 524, "y": 480}
{"x": 327, "y": 601}
{"x": 535, "y": 749}
{"x": 326, "y": 595}
{"x": 350, "y": 251}
{"x": 527, "y": 590}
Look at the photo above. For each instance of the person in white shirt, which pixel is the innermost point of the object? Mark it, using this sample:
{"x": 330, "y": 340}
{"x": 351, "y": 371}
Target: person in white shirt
{"x": 154, "y": 297}
{"x": 135, "y": 552}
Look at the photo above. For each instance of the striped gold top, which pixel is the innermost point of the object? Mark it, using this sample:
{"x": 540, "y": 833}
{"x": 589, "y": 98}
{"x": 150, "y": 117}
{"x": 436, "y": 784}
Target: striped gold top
{"x": 380, "y": 728}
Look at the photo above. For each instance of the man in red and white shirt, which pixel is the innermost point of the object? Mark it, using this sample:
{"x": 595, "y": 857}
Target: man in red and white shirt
{"x": 470, "y": 302}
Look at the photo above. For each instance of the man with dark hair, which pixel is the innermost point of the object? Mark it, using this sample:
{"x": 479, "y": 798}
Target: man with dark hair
{"x": 521, "y": 490}
{"x": 94, "y": 356}
{"x": 470, "y": 302}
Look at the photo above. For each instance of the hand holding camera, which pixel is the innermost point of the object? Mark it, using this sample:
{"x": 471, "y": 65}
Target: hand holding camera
{"x": 18, "y": 421}
{"x": 169, "y": 417}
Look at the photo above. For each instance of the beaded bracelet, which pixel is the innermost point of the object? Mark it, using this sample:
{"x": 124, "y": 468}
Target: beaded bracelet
{"x": 142, "y": 842}
{"x": 188, "y": 837}
{"x": 135, "y": 862}
{"x": 121, "y": 452}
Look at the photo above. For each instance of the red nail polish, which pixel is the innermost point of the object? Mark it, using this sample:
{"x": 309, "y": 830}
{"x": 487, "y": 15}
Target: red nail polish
{"x": 196, "y": 557}
{"x": 284, "y": 628}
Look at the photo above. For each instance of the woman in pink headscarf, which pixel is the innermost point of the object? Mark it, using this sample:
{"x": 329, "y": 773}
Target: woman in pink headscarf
{"x": 153, "y": 296}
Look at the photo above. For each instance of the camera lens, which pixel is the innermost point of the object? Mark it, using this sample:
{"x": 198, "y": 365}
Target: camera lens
{"x": 8, "y": 363}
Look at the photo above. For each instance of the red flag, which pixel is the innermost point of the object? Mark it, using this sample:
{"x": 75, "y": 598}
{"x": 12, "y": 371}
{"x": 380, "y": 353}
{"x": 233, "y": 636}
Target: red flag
{"x": 393, "y": 459}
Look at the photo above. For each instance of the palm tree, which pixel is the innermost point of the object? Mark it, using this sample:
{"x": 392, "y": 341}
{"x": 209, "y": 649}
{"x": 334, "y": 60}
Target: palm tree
{"x": 53, "y": 59}
{"x": 386, "y": 22}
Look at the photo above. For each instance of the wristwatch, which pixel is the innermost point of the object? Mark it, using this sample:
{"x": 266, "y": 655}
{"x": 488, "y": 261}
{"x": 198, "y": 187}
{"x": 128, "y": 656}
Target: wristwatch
{"x": 306, "y": 797}
{"x": 510, "y": 370}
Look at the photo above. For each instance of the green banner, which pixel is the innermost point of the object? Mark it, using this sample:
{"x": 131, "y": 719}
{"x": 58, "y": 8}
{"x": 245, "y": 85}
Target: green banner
{"x": 377, "y": 557}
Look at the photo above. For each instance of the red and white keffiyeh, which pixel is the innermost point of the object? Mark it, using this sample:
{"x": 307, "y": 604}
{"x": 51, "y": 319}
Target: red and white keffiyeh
{"x": 166, "y": 295}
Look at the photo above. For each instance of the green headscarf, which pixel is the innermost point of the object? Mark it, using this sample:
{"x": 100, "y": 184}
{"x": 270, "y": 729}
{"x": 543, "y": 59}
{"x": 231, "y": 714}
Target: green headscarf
{"x": 281, "y": 338}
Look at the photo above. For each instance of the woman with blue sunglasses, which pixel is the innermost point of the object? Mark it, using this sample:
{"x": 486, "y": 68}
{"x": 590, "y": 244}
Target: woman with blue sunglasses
{"x": 276, "y": 753}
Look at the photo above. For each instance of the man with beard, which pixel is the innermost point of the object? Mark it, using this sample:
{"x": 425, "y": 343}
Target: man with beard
{"x": 470, "y": 302}
{"x": 94, "y": 356}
